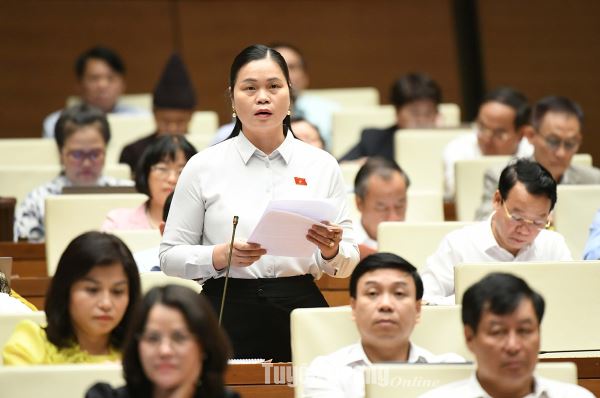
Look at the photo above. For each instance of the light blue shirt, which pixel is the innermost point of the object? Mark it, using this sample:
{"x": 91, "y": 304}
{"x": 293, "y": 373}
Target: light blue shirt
{"x": 592, "y": 246}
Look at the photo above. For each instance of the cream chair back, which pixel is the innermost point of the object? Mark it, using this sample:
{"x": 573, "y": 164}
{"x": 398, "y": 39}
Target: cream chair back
{"x": 574, "y": 212}
{"x": 57, "y": 381}
{"x": 423, "y": 206}
{"x": 348, "y": 123}
{"x": 68, "y": 216}
{"x": 420, "y": 154}
{"x": 570, "y": 289}
{"x": 158, "y": 278}
{"x": 28, "y": 151}
{"x": 414, "y": 241}
{"x": 348, "y": 97}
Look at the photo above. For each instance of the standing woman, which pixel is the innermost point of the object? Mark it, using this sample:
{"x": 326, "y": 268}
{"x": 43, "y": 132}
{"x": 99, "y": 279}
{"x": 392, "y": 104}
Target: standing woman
{"x": 261, "y": 161}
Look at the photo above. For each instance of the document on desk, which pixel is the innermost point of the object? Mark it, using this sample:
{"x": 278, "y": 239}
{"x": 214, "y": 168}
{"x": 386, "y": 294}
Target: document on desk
{"x": 283, "y": 227}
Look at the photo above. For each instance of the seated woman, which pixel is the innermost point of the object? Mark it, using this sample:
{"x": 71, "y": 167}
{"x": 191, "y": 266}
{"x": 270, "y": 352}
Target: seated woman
{"x": 174, "y": 348}
{"x": 88, "y": 306}
{"x": 82, "y": 135}
{"x": 156, "y": 176}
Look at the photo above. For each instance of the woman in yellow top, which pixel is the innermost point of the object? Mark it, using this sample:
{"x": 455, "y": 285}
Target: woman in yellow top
{"x": 88, "y": 306}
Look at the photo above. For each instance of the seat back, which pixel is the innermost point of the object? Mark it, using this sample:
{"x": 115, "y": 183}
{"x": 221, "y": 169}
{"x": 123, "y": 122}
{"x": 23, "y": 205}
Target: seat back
{"x": 413, "y": 380}
{"x": 574, "y": 212}
{"x": 28, "y": 151}
{"x": 348, "y": 96}
{"x": 57, "y": 381}
{"x": 9, "y": 321}
{"x": 139, "y": 239}
{"x": 68, "y": 216}
{"x": 570, "y": 289}
{"x": 449, "y": 115}
{"x": 125, "y": 129}
{"x": 158, "y": 278}
{"x": 414, "y": 241}
{"x": 423, "y": 206}
{"x": 420, "y": 154}
{"x": 348, "y": 123}
{"x": 19, "y": 180}
{"x": 468, "y": 177}
{"x": 204, "y": 123}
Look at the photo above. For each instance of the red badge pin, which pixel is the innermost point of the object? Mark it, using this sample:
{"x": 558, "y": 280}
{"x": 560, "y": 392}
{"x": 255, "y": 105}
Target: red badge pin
{"x": 300, "y": 181}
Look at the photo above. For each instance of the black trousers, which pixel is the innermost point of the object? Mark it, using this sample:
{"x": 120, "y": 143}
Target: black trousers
{"x": 256, "y": 314}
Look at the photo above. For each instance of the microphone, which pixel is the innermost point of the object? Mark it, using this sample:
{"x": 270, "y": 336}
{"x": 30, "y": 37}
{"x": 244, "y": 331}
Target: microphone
{"x": 235, "y": 223}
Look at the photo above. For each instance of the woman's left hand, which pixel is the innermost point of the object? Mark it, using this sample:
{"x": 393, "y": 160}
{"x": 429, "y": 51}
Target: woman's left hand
{"x": 327, "y": 237}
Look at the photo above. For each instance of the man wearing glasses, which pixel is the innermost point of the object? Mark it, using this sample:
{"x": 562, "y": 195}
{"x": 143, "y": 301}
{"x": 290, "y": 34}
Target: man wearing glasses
{"x": 516, "y": 231}
{"x": 502, "y": 121}
{"x": 556, "y": 137}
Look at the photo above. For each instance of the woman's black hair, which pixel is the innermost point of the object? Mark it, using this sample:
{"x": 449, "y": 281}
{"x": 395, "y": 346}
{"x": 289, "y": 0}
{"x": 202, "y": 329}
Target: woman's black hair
{"x": 164, "y": 148}
{"x": 89, "y": 250}
{"x": 254, "y": 53}
{"x": 202, "y": 323}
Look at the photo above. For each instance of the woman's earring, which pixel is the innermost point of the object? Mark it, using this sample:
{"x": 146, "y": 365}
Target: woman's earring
{"x": 289, "y": 112}
{"x": 233, "y": 114}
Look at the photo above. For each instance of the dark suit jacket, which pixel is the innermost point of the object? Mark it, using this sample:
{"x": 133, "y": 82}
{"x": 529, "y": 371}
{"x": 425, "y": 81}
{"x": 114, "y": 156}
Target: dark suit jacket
{"x": 132, "y": 153}
{"x": 374, "y": 142}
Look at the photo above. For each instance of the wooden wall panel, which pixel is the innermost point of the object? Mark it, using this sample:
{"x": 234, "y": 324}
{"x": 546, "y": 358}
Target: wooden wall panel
{"x": 546, "y": 47}
{"x": 346, "y": 43}
{"x": 40, "y": 40}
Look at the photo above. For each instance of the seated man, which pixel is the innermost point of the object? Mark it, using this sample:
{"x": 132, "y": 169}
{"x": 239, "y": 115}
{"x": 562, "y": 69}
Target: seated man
{"x": 502, "y": 316}
{"x": 174, "y": 100}
{"x": 100, "y": 72}
{"x": 516, "y": 231}
{"x": 385, "y": 293}
{"x": 416, "y": 98}
{"x": 501, "y": 122}
{"x": 380, "y": 192}
{"x": 556, "y": 137}
{"x": 592, "y": 246}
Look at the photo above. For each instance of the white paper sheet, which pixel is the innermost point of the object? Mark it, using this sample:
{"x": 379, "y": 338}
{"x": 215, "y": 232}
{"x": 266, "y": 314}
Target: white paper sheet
{"x": 283, "y": 227}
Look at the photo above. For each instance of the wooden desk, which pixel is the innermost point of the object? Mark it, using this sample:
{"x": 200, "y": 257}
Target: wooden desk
{"x": 335, "y": 290}
{"x": 267, "y": 380}
{"x": 29, "y": 259}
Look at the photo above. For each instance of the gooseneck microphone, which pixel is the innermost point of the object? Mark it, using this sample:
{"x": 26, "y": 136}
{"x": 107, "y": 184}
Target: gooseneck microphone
{"x": 235, "y": 223}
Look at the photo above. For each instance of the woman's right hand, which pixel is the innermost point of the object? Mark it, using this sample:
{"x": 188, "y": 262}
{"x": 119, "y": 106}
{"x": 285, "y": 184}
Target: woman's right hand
{"x": 243, "y": 254}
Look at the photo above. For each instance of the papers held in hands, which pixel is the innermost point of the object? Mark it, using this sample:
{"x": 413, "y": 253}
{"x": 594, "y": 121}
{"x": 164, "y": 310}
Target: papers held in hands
{"x": 284, "y": 225}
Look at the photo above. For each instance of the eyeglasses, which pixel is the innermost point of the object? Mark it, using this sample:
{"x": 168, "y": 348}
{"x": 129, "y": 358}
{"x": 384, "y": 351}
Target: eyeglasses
{"x": 80, "y": 156}
{"x": 554, "y": 143}
{"x": 487, "y": 133}
{"x": 177, "y": 340}
{"x": 165, "y": 172}
{"x": 539, "y": 224}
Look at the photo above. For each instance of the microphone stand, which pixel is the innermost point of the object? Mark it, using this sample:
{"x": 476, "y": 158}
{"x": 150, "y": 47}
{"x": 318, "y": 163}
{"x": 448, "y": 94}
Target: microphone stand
{"x": 235, "y": 223}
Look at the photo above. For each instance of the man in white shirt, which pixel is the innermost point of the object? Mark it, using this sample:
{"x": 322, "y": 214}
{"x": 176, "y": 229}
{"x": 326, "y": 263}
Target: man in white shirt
{"x": 556, "y": 136}
{"x": 100, "y": 74}
{"x": 502, "y": 315}
{"x": 386, "y": 294}
{"x": 516, "y": 231}
{"x": 502, "y": 121}
{"x": 380, "y": 192}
